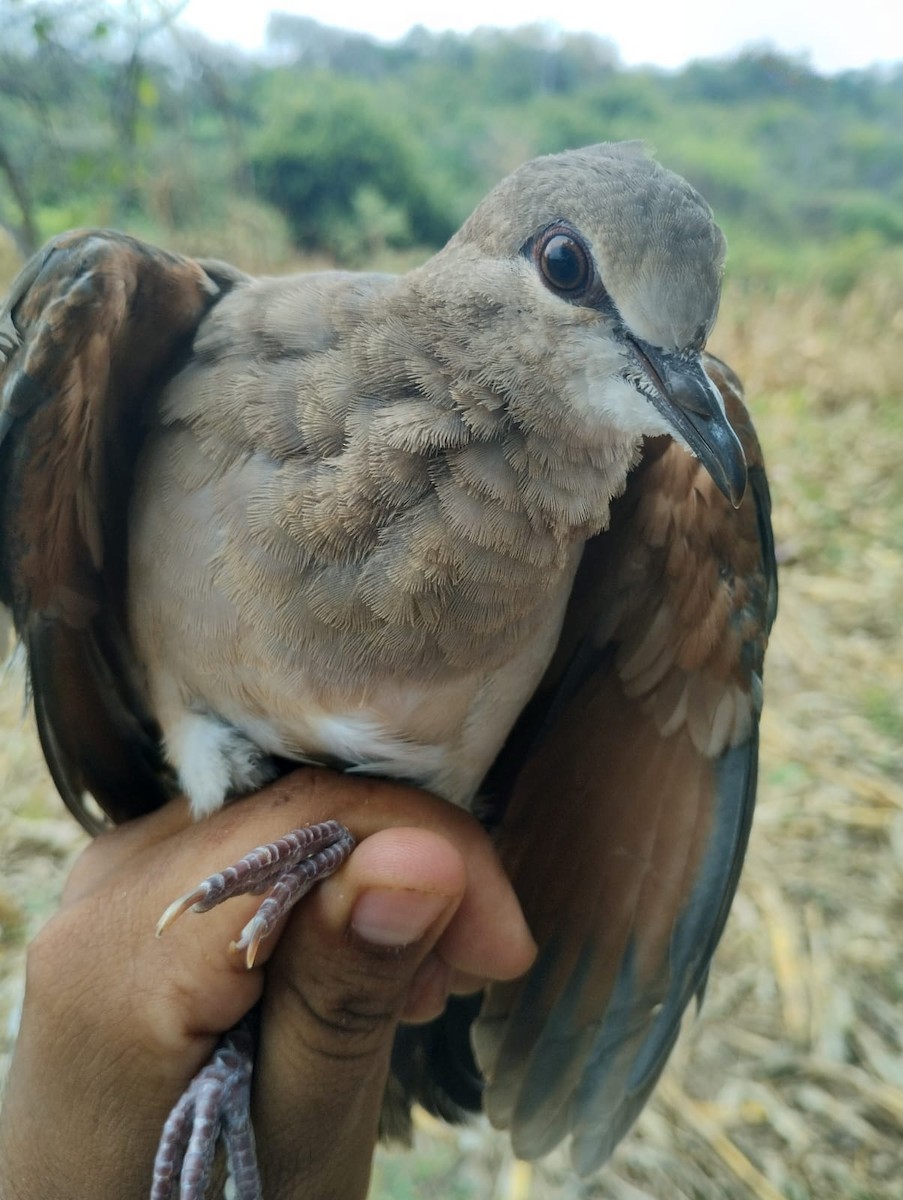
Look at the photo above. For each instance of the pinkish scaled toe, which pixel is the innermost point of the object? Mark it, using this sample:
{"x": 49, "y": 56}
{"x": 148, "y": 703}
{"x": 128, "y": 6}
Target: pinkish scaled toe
{"x": 287, "y": 869}
{"x": 217, "y": 1102}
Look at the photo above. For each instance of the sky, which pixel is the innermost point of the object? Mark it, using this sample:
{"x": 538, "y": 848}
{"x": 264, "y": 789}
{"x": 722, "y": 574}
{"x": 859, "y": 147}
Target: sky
{"x": 833, "y": 34}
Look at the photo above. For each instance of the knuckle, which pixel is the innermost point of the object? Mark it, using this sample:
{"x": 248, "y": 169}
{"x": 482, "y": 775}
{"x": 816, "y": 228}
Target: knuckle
{"x": 350, "y": 1008}
{"x": 56, "y": 985}
{"x": 45, "y": 958}
{"x": 65, "y": 975}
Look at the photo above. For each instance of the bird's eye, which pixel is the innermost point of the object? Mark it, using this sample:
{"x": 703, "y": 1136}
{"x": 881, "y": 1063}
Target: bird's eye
{"x": 564, "y": 262}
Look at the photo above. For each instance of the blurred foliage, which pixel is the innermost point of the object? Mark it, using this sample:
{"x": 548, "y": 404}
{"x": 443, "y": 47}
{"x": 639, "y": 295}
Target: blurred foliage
{"x": 348, "y": 176}
{"x": 115, "y": 114}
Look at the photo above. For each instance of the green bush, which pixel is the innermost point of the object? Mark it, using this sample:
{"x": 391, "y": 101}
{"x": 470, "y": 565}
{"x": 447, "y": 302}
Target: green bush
{"x": 334, "y": 164}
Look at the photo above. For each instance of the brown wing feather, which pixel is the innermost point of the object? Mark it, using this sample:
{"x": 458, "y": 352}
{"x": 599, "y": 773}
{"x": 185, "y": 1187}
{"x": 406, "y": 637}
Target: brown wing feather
{"x": 90, "y": 329}
{"x": 632, "y": 786}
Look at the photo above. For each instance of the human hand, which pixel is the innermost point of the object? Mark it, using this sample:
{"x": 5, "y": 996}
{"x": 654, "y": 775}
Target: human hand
{"x": 116, "y": 1022}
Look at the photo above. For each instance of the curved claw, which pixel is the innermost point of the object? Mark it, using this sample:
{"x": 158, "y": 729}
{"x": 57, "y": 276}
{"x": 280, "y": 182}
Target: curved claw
{"x": 248, "y": 941}
{"x": 289, "y": 868}
{"x": 179, "y": 907}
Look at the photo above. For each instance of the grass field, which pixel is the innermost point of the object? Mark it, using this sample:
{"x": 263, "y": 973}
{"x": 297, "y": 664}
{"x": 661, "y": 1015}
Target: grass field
{"x": 790, "y": 1083}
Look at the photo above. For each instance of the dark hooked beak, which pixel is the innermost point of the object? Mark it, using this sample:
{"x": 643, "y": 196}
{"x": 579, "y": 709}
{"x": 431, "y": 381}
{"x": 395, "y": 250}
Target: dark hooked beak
{"x": 690, "y": 402}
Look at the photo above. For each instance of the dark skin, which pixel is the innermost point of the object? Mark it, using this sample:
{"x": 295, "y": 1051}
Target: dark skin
{"x": 116, "y": 1022}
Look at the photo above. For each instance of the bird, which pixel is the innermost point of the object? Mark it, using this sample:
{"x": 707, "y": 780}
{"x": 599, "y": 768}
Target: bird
{"x": 498, "y": 527}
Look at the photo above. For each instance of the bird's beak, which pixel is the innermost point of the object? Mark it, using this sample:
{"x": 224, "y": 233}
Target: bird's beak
{"x": 690, "y": 402}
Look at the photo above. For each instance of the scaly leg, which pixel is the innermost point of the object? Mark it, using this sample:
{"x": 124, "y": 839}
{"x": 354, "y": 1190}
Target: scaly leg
{"x": 217, "y": 1102}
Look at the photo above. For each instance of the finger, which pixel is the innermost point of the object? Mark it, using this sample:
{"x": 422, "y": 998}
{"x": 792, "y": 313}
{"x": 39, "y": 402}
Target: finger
{"x": 120, "y": 1021}
{"x": 173, "y": 996}
{"x": 336, "y": 987}
{"x": 105, "y": 995}
{"x": 167, "y": 854}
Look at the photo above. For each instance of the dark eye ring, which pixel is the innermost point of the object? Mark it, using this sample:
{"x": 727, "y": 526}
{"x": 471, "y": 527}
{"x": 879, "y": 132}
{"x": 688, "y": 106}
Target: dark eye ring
{"x": 564, "y": 262}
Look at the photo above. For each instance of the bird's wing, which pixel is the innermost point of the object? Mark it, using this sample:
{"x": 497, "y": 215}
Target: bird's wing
{"x": 631, "y": 782}
{"x": 92, "y": 326}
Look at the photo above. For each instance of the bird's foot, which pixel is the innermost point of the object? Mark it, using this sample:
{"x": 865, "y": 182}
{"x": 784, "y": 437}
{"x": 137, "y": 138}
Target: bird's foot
{"x": 287, "y": 869}
{"x": 216, "y": 1104}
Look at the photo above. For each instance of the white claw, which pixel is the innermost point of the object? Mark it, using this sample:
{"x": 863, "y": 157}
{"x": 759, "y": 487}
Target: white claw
{"x": 178, "y": 907}
{"x": 249, "y": 940}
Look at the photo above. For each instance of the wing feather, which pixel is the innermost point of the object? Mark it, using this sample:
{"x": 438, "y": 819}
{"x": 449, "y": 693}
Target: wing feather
{"x": 622, "y": 803}
{"x": 91, "y": 328}
{"x": 629, "y": 807}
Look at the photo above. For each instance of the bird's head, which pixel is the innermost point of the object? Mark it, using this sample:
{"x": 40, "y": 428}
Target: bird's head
{"x": 599, "y": 271}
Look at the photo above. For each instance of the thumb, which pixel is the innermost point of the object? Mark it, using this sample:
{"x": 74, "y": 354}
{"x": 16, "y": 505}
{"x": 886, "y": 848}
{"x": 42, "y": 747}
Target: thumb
{"x": 357, "y": 959}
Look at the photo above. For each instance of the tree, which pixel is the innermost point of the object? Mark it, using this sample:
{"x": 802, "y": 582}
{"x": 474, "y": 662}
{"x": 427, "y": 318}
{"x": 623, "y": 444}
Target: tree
{"x": 329, "y": 160}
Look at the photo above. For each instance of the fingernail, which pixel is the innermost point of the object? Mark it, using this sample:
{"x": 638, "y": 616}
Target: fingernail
{"x": 396, "y": 917}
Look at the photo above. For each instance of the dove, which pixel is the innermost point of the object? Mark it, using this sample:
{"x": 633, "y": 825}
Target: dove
{"x": 498, "y": 527}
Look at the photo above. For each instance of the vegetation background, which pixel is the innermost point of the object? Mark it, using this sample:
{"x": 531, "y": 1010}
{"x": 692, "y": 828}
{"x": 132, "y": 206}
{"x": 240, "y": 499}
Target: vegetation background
{"x": 334, "y": 148}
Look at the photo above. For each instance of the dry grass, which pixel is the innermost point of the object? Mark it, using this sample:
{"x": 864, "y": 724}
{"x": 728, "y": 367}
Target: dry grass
{"x": 791, "y": 1082}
